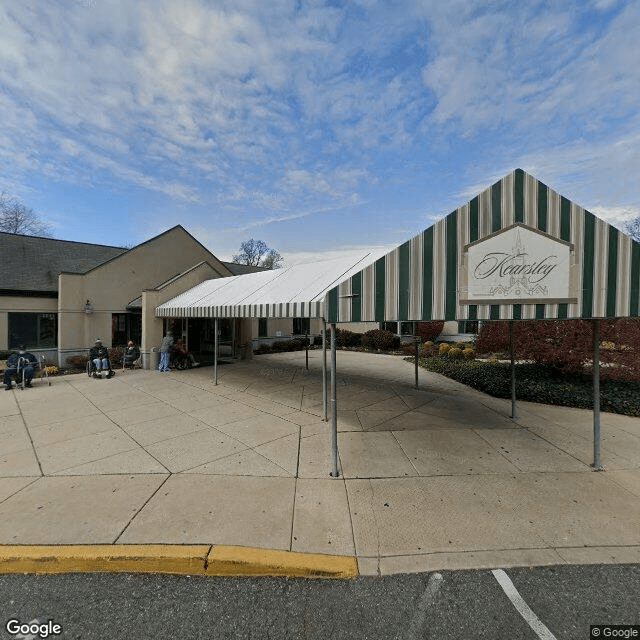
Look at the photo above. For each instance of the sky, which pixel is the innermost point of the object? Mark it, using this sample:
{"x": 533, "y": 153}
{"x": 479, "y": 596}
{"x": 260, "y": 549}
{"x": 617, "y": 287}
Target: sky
{"x": 317, "y": 126}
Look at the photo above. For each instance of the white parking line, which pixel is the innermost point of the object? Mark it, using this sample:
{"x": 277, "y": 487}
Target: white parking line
{"x": 522, "y": 607}
{"x": 415, "y": 630}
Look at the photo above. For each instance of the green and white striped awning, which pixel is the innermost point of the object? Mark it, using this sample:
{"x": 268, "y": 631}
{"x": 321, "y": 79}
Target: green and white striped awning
{"x": 431, "y": 276}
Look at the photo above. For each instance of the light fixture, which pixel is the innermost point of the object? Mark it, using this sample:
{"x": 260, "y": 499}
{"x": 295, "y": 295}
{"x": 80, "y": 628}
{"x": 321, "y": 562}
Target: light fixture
{"x": 87, "y": 307}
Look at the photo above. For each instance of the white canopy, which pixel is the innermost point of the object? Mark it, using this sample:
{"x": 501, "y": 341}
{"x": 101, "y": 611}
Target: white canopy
{"x": 291, "y": 292}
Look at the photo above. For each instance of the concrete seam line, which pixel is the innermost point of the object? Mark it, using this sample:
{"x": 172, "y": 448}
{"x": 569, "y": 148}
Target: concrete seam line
{"x": 174, "y": 559}
{"x": 521, "y": 606}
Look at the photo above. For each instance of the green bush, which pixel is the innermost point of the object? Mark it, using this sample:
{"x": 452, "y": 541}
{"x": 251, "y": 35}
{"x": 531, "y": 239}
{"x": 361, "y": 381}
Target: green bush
{"x": 380, "y": 340}
{"x": 263, "y": 347}
{"x": 282, "y": 346}
{"x": 346, "y": 339}
{"x": 539, "y": 383}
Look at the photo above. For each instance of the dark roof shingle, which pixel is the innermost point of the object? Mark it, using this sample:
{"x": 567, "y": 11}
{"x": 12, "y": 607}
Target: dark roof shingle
{"x": 30, "y": 263}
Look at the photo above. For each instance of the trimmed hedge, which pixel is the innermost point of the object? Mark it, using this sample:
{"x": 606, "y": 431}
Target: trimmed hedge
{"x": 281, "y": 346}
{"x": 380, "y": 340}
{"x": 539, "y": 383}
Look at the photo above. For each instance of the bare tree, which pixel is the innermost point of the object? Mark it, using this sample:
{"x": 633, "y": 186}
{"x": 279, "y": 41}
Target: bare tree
{"x": 258, "y": 254}
{"x": 15, "y": 217}
{"x": 632, "y": 228}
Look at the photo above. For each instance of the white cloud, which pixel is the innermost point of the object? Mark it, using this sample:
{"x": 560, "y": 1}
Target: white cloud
{"x": 272, "y": 112}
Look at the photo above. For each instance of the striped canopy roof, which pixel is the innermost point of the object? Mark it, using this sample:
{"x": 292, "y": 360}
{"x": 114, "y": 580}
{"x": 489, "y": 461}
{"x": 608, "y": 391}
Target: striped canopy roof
{"x": 297, "y": 291}
{"x": 424, "y": 278}
{"x": 428, "y": 277}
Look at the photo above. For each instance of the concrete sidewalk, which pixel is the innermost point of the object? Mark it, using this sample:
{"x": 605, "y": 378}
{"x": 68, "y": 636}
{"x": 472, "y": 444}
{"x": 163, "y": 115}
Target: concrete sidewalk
{"x": 438, "y": 478}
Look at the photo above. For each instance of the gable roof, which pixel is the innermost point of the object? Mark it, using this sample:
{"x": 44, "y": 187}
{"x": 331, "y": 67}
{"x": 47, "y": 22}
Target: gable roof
{"x": 427, "y": 277}
{"x": 32, "y": 264}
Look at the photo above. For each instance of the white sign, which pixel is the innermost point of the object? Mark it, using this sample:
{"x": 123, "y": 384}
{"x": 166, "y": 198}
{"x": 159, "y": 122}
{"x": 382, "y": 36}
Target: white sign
{"x": 518, "y": 265}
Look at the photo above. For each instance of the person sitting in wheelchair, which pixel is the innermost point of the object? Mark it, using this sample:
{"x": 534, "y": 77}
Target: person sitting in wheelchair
{"x": 178, "y": 358}
{"x": 131, "y": 354}
{"x": 19, "y": 364}
{"x": 182, "y": 359}
{"x": 99, "y": 356}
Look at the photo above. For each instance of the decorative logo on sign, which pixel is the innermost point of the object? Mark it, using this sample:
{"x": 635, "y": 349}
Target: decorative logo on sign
{"x": 517, "y": 271}
{"x": 518, "y": 264}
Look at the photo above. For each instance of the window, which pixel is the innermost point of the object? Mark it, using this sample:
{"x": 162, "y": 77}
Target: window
{"x": 468, "y": 326}
{"x": 125, "y": 327}
{"x": 407, "y": 328}
{"x": 262, "y": 327}
{"x": 34, "y": 330}
{"x": 301, "y": 326}
{"x": 389, "y": 326}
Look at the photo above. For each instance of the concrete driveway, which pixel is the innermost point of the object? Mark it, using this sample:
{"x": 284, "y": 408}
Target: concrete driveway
{"x": 433, "y": 478}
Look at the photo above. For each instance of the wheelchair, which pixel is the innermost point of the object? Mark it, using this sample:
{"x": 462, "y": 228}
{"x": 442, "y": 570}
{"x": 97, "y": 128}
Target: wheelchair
{"x": 92, "y": 371}
{"x": 179, "y": 360}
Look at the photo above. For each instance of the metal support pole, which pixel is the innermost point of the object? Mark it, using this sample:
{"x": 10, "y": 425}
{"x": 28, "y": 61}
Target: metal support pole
{"x": 334, "y": 406}
{"x": 512, "y": 350}
{"x": 324, "y": 370}
{"x": 215, "y": 352}
{"x": 596, "y": 396}
{"x": 306, "y": 348}
{"x": 416, "y": 343}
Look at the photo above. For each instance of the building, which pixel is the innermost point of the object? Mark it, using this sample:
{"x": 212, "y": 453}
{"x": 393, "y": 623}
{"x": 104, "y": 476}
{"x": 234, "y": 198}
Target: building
{"x": 57, "y": 296}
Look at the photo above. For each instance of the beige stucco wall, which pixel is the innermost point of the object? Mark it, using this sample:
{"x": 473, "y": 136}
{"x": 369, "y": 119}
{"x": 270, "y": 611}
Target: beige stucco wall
{"x": 358, "y": 327}
{"x": 450, "y": 328}
{"x": 113, "y": 285}
{"x": 152, "y": 326}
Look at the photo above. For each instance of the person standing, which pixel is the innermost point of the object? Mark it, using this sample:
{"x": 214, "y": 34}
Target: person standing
{"x": 165, "y": 350}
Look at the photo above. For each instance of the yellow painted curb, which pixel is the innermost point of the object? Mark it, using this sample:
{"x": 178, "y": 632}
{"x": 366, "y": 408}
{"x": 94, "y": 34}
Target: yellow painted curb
{"x": 173, "y": 559}
{"x": 144, "y": 558}
{"x": 248, "y": 561}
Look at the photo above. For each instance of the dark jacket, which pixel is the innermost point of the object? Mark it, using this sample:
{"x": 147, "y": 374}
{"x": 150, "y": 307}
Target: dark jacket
{"x": 98, "y": 352}
{"x": 16, "y": 360}
{"x": 132, "y": 354}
